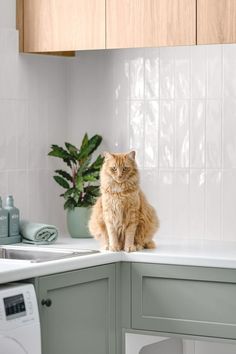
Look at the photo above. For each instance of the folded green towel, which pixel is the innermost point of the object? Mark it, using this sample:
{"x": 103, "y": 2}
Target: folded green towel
{"x": 40, "y": 234}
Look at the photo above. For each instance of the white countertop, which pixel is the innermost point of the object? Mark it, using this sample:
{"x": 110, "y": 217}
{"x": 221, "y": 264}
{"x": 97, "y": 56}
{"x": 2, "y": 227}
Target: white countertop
{"x": 217, "y": 254}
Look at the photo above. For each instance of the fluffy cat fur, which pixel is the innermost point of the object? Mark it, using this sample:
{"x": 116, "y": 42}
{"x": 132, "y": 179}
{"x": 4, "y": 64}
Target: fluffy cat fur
{"x": 122, "y": 218}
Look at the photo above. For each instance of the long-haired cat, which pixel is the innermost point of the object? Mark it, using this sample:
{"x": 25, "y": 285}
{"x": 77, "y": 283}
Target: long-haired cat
{"x": 122, "y": 218}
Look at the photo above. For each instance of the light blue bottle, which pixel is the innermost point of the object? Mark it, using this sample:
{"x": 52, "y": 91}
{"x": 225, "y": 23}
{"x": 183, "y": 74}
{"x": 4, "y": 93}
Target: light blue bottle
{"x": 3, "y": 221}
{"x": 13, "y": 217}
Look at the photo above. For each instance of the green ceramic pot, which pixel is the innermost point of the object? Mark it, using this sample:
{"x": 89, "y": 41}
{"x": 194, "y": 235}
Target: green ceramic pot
{"x": 77, "y": 222}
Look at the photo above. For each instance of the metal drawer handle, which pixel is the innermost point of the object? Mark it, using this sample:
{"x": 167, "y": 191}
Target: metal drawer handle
{"x": 47, "y": 302}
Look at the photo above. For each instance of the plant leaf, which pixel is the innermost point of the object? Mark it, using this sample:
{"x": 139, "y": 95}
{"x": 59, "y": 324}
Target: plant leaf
{"x": 90, "y": 146}
{"x": 69, "y": 192}
{"x": 97, "y": 164}
{"x": 91, "y": 176}
{"x": 92, "y": 190}
{"x": 61, "y": 153}
{"x": 72, "y": 150}
{"x": 84, "y": 164}
{"x": 88, "y": 200}
{"x": 70, "y": 204}
{"x": 64, "y": 174}
{"x": 84, "y": 141}
{"x": 79, "y": 183}
{"x": 58, "y": 151}
{"x": 61, "y": 181}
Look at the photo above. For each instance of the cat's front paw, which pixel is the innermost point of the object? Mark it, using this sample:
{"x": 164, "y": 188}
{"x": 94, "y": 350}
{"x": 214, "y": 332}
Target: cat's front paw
{"x": 131, "y": 248}
{"x": 105, "y": 247}
{"x": 114, "y": 248}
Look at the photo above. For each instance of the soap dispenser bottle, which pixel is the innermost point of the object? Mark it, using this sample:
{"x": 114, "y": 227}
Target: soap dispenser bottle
{"x": 3, "y": 221}
{"x": 13, "y": 217}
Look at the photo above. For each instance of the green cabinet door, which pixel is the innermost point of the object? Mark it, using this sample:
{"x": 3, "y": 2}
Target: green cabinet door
{"x": 196, "y": 301}
{"x": 81, "y": 316}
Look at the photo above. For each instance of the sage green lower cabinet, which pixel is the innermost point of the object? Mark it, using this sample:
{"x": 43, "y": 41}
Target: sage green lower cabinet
{"x": 81, "y": 318}
{"x": 185, "y": 300}
{"x": 88, "y": 311}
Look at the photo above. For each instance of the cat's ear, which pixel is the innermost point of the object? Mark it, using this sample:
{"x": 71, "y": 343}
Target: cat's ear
{"x": 131, "y": 155}
{"x": 107, "y": 155}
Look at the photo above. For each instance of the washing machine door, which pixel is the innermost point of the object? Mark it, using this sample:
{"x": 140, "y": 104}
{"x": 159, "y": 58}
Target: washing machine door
{"x": 9, "y": 345}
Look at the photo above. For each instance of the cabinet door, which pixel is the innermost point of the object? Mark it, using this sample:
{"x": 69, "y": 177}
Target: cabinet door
{"x": 150, "y": 23}
{"x": 216, "y": 21}
{"x": 63, "y": 25}
{"x": 186, "y": 300}
{"x": 81, "y": 318}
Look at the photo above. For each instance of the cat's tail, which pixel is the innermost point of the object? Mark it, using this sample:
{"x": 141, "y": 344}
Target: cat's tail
{"x": 96, "y": 224}
{"x": 150, "y": 245}
{"x": 148, "y": 225}
{"x": 93, "y": 224}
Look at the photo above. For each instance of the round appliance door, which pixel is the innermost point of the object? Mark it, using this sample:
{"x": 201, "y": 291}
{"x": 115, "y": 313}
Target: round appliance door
{"x": 10, "y": 345}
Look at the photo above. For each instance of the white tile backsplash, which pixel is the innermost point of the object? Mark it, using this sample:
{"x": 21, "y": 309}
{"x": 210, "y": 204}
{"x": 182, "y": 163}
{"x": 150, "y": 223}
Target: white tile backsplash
{"x": 213, "y": 204}
{"x": 182, "y": 72}
{"x": 197, "y": 204}
{"x": 167, "y": 73}
{"x": 197, "y": 134}
{"x": 198, "y": 76}
{"x": 214, "y": 71}
{"x": 166, "y": 134}
{"x": 33, "y": 106}
{"x": 213, "y": 133}
{"x": 7, "y": 13}
{"x": 176, "y": 107}
{"x": 181, "y": 204}
{"x": 182, "y": 123}
{"x": 152, "y": 74}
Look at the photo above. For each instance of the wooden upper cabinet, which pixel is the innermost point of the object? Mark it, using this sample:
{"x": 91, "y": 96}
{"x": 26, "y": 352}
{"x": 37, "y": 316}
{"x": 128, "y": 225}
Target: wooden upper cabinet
{"x": 63, "y": 25}
{"x": 216, "y": 21}
{"x": 150, "y": 23}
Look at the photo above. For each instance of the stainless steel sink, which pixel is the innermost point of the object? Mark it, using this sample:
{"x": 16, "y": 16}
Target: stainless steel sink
{"x": 38, "y": 256}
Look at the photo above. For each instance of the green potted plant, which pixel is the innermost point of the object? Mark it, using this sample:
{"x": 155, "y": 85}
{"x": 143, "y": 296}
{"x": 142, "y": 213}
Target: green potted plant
{"x": 80, "y": 181}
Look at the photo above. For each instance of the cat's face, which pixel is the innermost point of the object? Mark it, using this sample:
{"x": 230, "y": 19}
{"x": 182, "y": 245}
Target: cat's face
{"x": 120, "y": 166}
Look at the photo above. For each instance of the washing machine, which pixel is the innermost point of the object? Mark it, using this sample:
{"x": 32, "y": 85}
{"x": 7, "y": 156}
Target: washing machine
{"x": 19, "y": 320}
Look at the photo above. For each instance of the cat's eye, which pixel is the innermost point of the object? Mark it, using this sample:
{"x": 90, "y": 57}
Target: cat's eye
{"x": 113, "y": 169}
{"x": 125, "y": 169}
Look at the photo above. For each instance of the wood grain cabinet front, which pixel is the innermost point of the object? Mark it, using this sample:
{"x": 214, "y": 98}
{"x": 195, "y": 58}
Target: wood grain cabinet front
{"x": 216, "y": 21}
{"x": 150, "y": 23}
{"x": 77, "y": 311}
{"x": 61, "y": 25}
{"x": 185, "y": 300}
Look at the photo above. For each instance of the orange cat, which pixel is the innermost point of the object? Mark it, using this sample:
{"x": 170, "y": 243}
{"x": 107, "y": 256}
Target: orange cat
{"x": 122, "y": 218}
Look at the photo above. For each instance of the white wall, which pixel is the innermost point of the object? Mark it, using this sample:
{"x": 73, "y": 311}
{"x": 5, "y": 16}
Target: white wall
{"x": 176, "y": 107}
{"x": 32, "y": 116}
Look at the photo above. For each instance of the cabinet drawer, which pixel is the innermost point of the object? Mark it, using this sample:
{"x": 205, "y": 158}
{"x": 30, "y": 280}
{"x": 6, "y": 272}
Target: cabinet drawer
{"x": 186, "y": 300}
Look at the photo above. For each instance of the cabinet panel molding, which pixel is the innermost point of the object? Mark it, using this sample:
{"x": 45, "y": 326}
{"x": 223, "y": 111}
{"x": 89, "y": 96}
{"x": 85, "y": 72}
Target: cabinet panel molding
{"x": 150, "y": 23}
{"x": 81, "y": 316}
{"x": 185, "y": 300}
{"x": 216, "y": 21}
